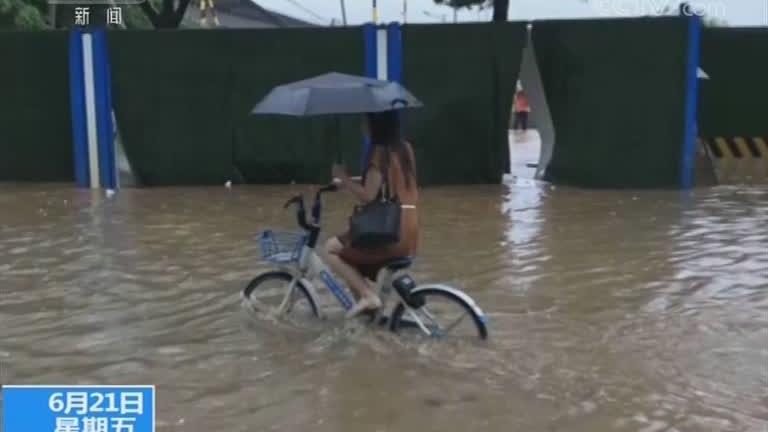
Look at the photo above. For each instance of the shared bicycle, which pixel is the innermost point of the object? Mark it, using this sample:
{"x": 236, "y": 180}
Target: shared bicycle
{"x": 289, "y": 289}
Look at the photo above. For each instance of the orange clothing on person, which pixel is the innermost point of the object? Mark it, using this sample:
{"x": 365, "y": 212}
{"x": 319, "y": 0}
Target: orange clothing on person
{"x": 521, "y": 103}
{"x": 370, "y": 261}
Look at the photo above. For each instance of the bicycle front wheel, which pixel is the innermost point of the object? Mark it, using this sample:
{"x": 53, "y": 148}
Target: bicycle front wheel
{"x": 267, "y": 293}
{"x": 444, "y": 313}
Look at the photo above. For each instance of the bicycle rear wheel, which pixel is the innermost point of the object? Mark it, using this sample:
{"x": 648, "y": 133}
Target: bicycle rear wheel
{"x": 445, "y": 313}
{"x": 266, "y": 293}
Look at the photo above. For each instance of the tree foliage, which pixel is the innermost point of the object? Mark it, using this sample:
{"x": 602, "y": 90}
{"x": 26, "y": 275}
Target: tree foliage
{"x": 500, "y": 7}
{"x": 23, "y": 14}
{"x": 165, "y": 13}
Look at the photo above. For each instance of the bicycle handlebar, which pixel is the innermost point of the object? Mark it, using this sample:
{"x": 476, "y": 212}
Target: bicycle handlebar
{"x": 301, "y": 212}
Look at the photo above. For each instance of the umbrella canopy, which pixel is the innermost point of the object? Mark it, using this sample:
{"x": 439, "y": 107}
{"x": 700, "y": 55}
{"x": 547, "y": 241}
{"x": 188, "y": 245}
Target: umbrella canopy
{"x": 336, "y": 93}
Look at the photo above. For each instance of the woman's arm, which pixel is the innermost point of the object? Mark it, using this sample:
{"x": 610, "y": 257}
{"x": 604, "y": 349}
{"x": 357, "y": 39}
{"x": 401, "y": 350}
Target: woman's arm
{"x": 367, "y": 192}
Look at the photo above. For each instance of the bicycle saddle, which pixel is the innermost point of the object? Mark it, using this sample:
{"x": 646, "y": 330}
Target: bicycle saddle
{"x": 399, "y": 263}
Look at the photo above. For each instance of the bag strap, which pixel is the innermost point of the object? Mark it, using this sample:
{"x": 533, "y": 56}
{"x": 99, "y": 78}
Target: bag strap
{"x": 386, "y": 194}
{"x": 384, "y": 188}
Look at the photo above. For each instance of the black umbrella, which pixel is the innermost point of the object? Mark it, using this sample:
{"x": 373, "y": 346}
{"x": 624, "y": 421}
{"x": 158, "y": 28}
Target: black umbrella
{"x": 336, "y": 93}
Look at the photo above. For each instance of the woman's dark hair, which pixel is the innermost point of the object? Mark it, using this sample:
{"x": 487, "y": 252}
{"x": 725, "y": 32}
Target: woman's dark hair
{"x": 385, "y": 132}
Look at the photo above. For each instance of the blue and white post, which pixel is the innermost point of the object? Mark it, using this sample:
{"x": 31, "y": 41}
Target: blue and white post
{"x": 383, "y": 58}
{"x": 394, "y": 52}
{"x": 691, "y": 102}
{"x": 91, "y": 102}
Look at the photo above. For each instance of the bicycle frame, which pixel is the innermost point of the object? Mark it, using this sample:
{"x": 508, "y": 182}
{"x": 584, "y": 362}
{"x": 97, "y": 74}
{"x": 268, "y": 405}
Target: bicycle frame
{"x": 310, "y": 266}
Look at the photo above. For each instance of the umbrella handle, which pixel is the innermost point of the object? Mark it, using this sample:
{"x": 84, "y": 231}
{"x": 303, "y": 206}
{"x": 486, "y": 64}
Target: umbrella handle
{"x": 339, "y": 145}
{"x": 403, "y": 102}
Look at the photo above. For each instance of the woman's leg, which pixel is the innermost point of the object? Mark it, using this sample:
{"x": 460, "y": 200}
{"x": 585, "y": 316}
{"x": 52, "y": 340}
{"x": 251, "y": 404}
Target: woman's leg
{"x": 367, "y": 297}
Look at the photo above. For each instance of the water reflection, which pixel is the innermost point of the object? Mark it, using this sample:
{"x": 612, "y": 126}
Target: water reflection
{"x": 610, "y": 310}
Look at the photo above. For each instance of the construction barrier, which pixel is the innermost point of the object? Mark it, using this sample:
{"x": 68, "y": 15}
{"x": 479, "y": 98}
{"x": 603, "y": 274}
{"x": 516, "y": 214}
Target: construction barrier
{"x": 202, "y": 88}
{"x": 35, "y": 121}
{"x": 276, "y": 149}
{"x": 738, "y": 159}
{"x": 621, "y": 94}
{"x": 202, "y": 85}
{"x": 465, "y": 75}
{"x": 733, "y": 119}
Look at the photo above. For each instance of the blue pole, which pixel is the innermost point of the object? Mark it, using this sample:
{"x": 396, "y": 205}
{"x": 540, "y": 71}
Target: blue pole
{"x": 395, "y": 52}
{"x": 106, "y": 143}
{"x": 691, "y": 102}
{"x": 369, "y": 34}
{"x": 395, "y": 55}
{"x": 110, "y": 120}
{"x": 369, "y": 37}
{"x": 77, "y": 106}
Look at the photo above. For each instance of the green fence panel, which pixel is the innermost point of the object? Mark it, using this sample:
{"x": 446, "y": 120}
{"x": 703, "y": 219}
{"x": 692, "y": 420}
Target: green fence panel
{"x": 465, "y": 75}
{"x": 183, "y": 100}
{"x": 509, "y": 41}
{"x": 172, "y": 92}
{"x": 35, "y": 119}
{"x": 616, "y": 93}
{"x": 201, "y": 86}
{"x": 277, "y": 149}
{"x": 734, "y": 101}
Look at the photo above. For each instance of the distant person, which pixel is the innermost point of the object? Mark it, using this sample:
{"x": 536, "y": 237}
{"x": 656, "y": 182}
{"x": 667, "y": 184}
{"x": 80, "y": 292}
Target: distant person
{"x": 522, "y": 109}
{"x": 394, "y": 158}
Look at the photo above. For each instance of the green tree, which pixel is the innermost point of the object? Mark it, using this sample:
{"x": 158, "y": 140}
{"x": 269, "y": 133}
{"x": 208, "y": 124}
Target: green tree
{"x": 500, "y": 7}
{"x": 23, "y": 14}
{"x": 165, "y": 13}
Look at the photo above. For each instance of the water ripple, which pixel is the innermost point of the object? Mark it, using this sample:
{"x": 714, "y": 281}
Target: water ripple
{"x": 627, "y": 311}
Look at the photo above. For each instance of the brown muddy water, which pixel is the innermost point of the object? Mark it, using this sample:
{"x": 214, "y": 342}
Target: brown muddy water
{"x": 609, "y": 311}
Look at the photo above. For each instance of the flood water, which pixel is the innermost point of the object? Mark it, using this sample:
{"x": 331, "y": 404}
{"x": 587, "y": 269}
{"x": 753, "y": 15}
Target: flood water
{"x": 609, "y": 311}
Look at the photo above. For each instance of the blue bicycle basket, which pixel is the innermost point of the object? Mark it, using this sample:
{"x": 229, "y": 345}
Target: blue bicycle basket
{"x": 281, "y": 247}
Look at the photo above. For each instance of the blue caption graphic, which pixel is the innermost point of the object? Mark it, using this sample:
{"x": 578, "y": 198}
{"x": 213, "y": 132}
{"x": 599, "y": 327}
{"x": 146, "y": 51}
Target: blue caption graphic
{"x": 78, "y": 408}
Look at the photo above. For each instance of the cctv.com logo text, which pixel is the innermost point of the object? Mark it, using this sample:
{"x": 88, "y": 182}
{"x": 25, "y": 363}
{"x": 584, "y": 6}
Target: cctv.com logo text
{"x": 710, "y": 9}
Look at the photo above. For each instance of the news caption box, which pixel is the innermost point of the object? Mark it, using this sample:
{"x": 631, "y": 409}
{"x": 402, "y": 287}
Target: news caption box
{"x": 78, "y": 408}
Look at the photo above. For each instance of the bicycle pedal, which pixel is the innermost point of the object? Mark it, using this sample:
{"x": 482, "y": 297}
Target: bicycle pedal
{"x": 370, "y": 314}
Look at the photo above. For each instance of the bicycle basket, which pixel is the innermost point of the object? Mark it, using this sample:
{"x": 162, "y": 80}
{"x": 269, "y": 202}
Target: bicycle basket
{"x": 281, "y": 247}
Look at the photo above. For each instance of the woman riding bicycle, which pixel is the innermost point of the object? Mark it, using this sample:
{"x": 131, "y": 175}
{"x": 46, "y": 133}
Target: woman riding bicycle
{"x": 391, "y": 152}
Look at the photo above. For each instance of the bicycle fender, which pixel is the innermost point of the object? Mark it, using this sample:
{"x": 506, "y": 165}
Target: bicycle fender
{"x": 458, "y": 293}
{"x": 312, "y": 293}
